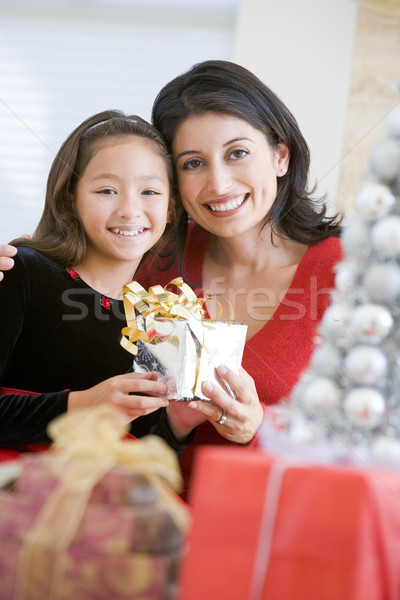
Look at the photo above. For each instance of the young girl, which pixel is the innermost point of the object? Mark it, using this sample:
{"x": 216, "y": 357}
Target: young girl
{"x": 109, "y": 197}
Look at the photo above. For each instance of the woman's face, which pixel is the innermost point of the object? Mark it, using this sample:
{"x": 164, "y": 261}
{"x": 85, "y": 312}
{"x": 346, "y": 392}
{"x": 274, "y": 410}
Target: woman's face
{"x": 227, "y": 172}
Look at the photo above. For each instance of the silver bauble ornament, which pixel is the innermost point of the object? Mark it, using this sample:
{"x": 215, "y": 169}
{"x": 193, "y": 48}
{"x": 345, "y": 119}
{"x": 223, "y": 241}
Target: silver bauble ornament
{"x": 385, "y": 160}
{"x": 346, "y": 277}
{"x": 393, "y": 122}
{"x": 355, "y": 238}
{"x": 366, "y": 365}
{"x": 326, "y": 360}
{"x": 385, "y": 236}
{"x": 364, "y": 407}
{"x": 382, "y": 281}
{"x": 371, "y": 323}
{"x": 374, "y": 200}
{"x": 335, "y": 321}
{"x": 320, "y": 394}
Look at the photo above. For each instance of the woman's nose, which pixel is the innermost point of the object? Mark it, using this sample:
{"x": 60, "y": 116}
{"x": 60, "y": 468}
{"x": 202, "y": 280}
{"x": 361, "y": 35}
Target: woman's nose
{"x": 219, "y": 179}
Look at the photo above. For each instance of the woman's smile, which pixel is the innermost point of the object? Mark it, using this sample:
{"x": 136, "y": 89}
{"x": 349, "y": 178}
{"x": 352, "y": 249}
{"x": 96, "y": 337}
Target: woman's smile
{"x": 227, "y": 172}
{"x": 228, "y": 206}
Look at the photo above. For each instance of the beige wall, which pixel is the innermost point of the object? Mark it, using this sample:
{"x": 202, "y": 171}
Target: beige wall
{"x": 375, "y": 71}
{"x": 303, "y": 50}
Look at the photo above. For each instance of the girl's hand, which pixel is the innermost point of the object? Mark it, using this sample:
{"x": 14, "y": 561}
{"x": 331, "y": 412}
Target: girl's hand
{"x": 121, "y": 390}
{"x": 240, "y": 416}
{"x": 6, "y": 262}
{"x": 182, "y": 418}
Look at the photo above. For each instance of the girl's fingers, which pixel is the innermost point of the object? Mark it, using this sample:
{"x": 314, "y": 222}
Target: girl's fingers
{"x": 140, "y": 405}
{"x": 145, "y": 383}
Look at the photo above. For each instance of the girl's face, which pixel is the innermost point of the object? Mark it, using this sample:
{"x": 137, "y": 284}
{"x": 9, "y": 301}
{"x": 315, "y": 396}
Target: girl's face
{"x": 227, "y": 172}
{"x": 122, "y": 199}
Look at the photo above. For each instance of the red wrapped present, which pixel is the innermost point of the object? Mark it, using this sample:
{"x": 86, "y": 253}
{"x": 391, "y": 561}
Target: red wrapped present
{"x": 266, "y": 529}
{"x": 94, "y": 518}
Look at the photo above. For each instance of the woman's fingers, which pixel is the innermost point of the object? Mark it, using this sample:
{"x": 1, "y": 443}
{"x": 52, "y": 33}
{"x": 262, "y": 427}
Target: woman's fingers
{"x": 235, "y": 418}
{"x": 7, "y": 251}
{"x": 6, "y": 262}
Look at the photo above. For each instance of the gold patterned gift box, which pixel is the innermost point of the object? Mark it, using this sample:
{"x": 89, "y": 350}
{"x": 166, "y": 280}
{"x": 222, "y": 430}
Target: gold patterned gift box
{"x": 170, "y": 334}
{"x": 95, "y": 519}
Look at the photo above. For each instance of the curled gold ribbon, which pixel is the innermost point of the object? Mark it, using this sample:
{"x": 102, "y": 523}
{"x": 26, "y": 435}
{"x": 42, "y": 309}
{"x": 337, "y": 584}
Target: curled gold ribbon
{"x": 157, "y": 302}
{"x": 87, "y": 445}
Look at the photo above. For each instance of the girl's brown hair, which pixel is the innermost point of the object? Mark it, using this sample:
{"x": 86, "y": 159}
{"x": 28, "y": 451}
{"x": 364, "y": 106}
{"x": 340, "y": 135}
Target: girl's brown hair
{"x": 60, "y": 234}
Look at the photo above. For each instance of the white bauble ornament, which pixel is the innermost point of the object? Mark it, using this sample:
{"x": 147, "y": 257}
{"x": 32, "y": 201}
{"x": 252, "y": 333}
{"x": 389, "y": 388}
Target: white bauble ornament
{"x": 386, "y": 448}
{"x": 385, "y": 236}
{"x": 364, "y": 407}
{"x": 393, "y": 122}
{"x": 366, "y": 365}
{"x": 326, "y": 360}
{"x": 374, "y": 200}
{"x": 371, "y": 323}
{"x": 320, "y": 394}
{"x": 335, "y": 321}
{"x": 301, "y": 431}
{"x": 385, "y": 159}
{"x": 356, "y": 238}
{"x": 346, "y": 277}
{"x": 382, "y": 281}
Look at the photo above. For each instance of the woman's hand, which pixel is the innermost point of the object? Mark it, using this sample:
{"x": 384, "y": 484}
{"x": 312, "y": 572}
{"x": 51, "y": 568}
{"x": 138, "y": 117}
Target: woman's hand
{"x": 121, "y": 390}
{"x": 244, "y": 413}
{"x": 6, "y": 262}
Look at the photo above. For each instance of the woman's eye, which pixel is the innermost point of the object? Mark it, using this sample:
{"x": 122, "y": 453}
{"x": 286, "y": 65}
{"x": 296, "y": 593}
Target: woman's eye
{"x": 193, "y": 163}
{"x": 239, "y": 153}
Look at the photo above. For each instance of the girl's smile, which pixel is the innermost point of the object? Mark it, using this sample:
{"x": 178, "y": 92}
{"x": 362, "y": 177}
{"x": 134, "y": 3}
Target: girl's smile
{"x": 122, "y": 200}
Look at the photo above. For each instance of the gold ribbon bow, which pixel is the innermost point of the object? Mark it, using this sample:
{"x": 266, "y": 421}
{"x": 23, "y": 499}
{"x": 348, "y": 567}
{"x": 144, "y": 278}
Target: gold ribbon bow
{"x": 158, "y": 301}
{"x": 88, "y": 444}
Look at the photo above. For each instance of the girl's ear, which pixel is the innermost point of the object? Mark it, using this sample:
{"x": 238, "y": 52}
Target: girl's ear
{"x": 283, "y": 160}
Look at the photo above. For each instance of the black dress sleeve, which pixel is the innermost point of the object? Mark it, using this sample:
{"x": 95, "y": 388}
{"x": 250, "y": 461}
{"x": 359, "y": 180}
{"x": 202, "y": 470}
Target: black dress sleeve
{"x": 23, "y": 418}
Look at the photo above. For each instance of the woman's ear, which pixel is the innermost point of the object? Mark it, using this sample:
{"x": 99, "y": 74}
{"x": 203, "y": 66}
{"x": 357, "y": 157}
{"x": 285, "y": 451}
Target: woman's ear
{"x": 283, "y": 160}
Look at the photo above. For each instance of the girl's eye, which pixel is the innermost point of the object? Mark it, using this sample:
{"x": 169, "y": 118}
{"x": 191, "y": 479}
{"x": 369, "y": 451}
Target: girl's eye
{"x": 106, "y": 191}
{"x": 239, "y": 153}
{"x": 193, "y": 163}
{"x": 149, "y": 192}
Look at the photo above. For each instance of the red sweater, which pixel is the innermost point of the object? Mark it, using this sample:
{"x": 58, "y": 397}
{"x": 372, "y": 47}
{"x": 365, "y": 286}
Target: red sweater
{"x": 276, "y": 356}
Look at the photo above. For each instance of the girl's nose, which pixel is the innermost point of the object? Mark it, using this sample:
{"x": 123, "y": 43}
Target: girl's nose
{"x": 129, "y": 207}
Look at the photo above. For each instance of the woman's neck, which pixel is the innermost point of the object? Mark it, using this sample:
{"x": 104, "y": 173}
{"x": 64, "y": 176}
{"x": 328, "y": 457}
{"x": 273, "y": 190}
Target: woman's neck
{"x": 254, "y": 252}
{"x": 106, "y": 277}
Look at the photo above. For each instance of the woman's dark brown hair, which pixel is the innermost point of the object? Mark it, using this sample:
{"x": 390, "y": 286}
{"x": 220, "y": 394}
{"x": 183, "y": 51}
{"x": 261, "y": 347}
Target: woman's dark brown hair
{"x": 59, "y": 234}
{"x": 229, "y": 89}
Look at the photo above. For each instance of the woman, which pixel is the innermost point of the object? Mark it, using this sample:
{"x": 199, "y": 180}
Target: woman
{"x": 256, "y": 238}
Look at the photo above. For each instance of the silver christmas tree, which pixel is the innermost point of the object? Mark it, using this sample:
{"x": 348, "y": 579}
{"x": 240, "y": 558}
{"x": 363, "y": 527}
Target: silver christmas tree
{"x": 350, "y": 394}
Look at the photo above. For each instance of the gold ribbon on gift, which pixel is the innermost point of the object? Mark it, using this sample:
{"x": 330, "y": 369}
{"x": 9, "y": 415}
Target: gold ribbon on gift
{"x": 88, "y": 443}
{"x": 158, "y": 302}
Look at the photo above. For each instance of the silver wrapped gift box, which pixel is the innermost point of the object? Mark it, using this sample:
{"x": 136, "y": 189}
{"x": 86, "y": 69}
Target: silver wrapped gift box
{"x": 173, "y": 338}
